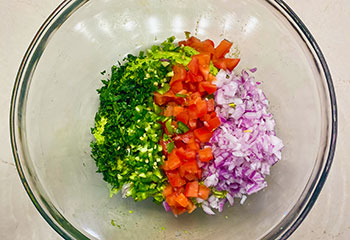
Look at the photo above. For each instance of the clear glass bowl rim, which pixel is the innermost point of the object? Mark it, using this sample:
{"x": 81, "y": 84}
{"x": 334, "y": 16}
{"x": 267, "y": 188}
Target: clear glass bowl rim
{"x": 282, "y": 232}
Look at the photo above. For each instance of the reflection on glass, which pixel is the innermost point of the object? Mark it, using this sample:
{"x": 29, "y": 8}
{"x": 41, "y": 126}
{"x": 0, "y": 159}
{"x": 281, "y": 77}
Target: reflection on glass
{"x": 80, "y": 27}
{"x": 153, "y": 24}
{"x": 203, "y": 23}
{"x": 177, "y": 25}
{"x": 103, "y": 25}
{"x": 251, "y": 25}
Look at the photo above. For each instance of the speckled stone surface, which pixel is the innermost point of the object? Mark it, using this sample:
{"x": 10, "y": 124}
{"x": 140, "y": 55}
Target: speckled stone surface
{"x": 328, "y": 20}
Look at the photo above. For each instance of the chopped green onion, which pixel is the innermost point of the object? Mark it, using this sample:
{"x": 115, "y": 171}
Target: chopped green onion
{"x": 164, "y": 89}
{"x": 156, "y": 108}
{"x": 178, "y": 131}
{"x": 169, "y": 127}
{"x": 170, "y": 74}
{"x": 181, "y": 95}
{"x": 170, "y": 147}
{"x": 183, "y": 127}
{"x": 211, "y": 96}
{"x": 166, "y": 137}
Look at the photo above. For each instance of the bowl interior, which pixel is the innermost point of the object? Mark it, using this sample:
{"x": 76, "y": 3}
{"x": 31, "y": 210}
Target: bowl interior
{"x": 61, "y": 101}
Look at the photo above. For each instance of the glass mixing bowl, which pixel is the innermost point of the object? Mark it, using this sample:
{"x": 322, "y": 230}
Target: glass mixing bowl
{"x": 54, "y": 102}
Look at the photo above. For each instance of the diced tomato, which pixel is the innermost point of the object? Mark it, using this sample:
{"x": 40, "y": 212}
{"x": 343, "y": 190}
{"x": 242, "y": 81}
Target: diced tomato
{"x": 192, "y": 189}
{"x": 204, "y": 64}
{"x": 222, "y": 49}
{"x": 211, "y": 77}
{"x": 192, "y": 40}
{"x": 179, "y": 100}
{"x": 184, "y": 43}
{"x": 206, "y": 118}
{"x": 170, "y": 94}
{"x": 192, "y": 78}
{"x": 208, "y": 87}
{"x": 200, "y": 124}
{"x": 190, "y": 176}
{"x": 192, "y": 112}
{"x": 209, "y": 42}
{"x": 201, "y": 108}
{"x": 199, "y": 173}
{"x": 210, "y": 105}
{"x": 191, "y": 207}
{"x": 183, "y": 91}
{"x": 190, "y": 155}
{"x": 220, "y": 63}
{"x": 177, "y": 86}
{"x": 204, "y": 47}
{"x": 165, "y": 166}
{"x": 226, "y": 63}
{"x": 193, "y": 66}
{"x": 173, "y": 161}
{"x": 178, "y": 210}
{"x": 200, "y": 88}
{"x": 160, "y": 99}
{"x": 185, "y": 154}
{"x": 183, "y": 117}
{"x": 169, "y": 111}
{"x": 192, "y": 87}
{"x": 179, "y": 190}
{"x": 195, "y": 96}
{"x": 179, "y": 144}
{"x": 186, "y": 102}
{"x": 170, "y": 199}
{"x": 174, "y": 179}
{"x": 189, "y": 41}
{"x": 177, "y": 110}
{"x": 203, "y": 192}
{"x": 205, "y": 154}
{"x": 181, "y": 153}
{"x": 182, "y": 171}
{"x": 214, "y": 123}
{"x": 190, "y": 167}
{"x": 182, "y": 200}
{"x": 192, "y": 123}
{"x": 193, "y": 146}
{"x": 199, "y": 78}
{"x": 186, "y": 137}
{"x": 203, "y": 134}
{"x": 231, "y": 63}
{"x": 179, "y": 74}
{"x": 168, "y": 190}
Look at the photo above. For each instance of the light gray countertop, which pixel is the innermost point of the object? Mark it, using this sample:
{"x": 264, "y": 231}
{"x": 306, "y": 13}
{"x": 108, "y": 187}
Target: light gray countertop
{"x": 328, "y": 20}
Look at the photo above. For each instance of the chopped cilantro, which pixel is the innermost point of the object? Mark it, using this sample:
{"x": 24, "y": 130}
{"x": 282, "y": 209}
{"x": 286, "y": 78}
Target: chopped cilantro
{"x": 127, "y": 127}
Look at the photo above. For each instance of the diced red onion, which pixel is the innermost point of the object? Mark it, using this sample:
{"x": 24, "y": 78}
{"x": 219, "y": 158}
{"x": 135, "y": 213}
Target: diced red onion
{"x": 125, "y": 189}
{"x": 207, "y": 209}
{"x": 166, "y": 206}
{"x": 164, "y": 60}
{"x": 245, "y": 146}
{"x": 253, "y": 70}
{"x": 244, "y": 197}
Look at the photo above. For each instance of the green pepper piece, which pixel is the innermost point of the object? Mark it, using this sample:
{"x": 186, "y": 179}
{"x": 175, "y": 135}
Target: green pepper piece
{"x": 170, "y": 147}
{"x": 169, "y": 127}
{"x": 183, "y": 127}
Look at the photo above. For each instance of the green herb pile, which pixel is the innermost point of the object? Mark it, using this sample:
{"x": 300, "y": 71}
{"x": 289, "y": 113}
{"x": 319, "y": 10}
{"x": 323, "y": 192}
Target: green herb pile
{"x": 127, "y": 125}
